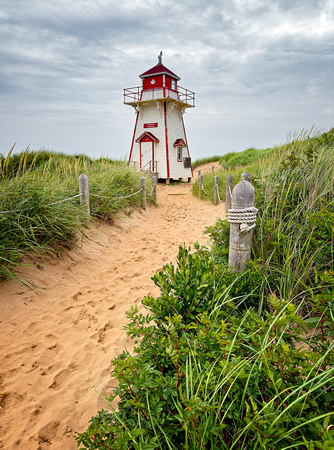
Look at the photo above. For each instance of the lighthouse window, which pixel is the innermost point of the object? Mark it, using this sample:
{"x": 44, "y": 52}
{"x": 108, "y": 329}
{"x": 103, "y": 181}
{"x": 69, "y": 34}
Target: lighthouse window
{"x": 179, "y": 153}
{"x": 174, "y": 84}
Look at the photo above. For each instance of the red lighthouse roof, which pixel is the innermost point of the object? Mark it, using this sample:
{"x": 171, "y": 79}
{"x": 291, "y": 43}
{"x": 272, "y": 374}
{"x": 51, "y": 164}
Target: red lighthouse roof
{"x": 159, "y": 69}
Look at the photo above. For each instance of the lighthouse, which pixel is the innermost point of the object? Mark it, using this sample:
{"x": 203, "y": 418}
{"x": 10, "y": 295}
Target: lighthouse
{"x": 159, "y": 144}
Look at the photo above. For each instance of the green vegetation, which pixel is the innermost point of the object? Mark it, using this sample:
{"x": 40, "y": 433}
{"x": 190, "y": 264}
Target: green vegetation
{"x": 202, "y": 161}
{"x": 235, "y": 159}
{"x": 34, "y": 219}
{"x": 239, "y": 361}
{"x": 209, "y": 181}
{"x": 234, "y": 164}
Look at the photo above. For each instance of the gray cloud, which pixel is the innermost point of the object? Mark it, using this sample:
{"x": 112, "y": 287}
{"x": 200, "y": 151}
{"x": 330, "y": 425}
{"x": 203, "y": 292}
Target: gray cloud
{"x": 256, "y": 66}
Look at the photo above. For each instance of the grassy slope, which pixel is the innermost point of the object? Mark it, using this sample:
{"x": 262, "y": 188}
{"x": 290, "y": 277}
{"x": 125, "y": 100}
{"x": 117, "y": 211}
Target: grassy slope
{"x": 33, "y": 222}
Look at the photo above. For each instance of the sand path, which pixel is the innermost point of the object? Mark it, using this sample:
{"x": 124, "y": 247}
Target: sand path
{"x": 56, "y": 345}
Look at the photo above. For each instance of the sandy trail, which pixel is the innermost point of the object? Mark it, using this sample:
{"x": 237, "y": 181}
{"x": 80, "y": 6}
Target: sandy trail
{"x": 56, "y": 345}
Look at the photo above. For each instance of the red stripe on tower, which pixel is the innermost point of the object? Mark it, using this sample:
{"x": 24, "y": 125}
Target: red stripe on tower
{"x": 166, "y": 134}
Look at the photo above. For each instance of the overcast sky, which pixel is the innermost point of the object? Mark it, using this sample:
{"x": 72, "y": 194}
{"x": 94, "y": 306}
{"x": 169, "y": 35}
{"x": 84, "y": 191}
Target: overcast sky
{"x": 259, "y": 68}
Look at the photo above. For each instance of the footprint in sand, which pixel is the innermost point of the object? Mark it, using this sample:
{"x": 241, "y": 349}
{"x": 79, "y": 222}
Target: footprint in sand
{"x": 61, "y": 377}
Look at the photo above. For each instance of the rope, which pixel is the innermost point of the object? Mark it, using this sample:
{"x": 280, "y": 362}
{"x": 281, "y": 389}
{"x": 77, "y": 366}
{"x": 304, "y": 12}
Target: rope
{"x": 116, "y": 198}
{"x": 49, "y": 204}
{"x": 204, "y": 190}
{"x": 218, "y": 196}
{"x": 246, "y": 217}
{"x": 152, "y": 190}
{"x": 66, "y": 199}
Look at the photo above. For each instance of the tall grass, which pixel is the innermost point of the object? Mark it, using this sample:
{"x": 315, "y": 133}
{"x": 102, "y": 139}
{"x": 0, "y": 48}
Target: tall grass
{"x": 232, "y": 160}
{"x": 34, "y": 220}
{"x": 208, "y": 375}
{"x": 208, "y": 159}
{"x": 207, "y": 192}
{"x": 235, "y": 164}
{"x": 294, "y": 238}
{"x": 228, "y": 361}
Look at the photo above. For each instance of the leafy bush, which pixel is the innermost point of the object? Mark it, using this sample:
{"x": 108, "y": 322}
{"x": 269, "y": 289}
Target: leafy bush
{"x": 224, "y": 360}
{"x": 205, "y": 376}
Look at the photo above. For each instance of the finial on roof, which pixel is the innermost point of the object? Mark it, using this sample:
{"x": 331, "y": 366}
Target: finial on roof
{"x": 160, "y": 58}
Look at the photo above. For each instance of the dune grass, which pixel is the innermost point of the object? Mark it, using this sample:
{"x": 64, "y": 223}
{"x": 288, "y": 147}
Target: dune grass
{"x": 34, "y": 218}
{"x": 239, "y": 361}
{"x": 207, "y": 192}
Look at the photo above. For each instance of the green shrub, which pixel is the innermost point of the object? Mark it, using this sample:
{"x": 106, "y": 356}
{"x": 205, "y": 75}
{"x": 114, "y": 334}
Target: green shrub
{"x": 221, "y": 361}
{"x": 206, "y": 375}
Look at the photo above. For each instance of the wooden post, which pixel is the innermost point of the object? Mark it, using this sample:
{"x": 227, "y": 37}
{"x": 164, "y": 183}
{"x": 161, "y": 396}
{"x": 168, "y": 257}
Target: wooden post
{"x": 223, "y": 167}
{"x": 143, "y": 192}
{"x": 84, "y": 190}
{"x": 216, "y": 190}
{"x": 246, "y": 176}
{"x": 229, "y": 182}
{"x": 199, "y": 174}
{"x": 213, "y": 168}
{"x": 154, "y": 182}
{"x": 200, "y": 186}
{"x": 243, "y": 196}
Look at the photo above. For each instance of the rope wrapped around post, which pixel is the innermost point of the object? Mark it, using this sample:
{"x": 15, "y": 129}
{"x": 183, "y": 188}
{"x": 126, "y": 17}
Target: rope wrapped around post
{"x": 246, "y": 217}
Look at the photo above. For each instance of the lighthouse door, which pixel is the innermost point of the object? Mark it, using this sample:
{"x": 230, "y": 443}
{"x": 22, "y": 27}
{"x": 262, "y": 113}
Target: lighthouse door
{"x": 146, "y": 155}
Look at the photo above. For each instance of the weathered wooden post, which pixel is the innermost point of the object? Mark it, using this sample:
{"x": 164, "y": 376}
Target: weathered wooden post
{"x": 242, "y": 217}
{"x": 200, "y": 186}
{"x": 154, "y": 189}
{"x": 216, "y": 186}
{"x": 199, "y": 174}
{"x": 143, "y": 192}
{"x": 229, "y": 183}
{"x": 213, "y": 168}
{"x": 84, "y": 191}
{"x": 223, "y": 167}
{"x": 246, "y": 176}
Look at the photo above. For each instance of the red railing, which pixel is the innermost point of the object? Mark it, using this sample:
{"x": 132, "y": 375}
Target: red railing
{"x": 134, "y": 94}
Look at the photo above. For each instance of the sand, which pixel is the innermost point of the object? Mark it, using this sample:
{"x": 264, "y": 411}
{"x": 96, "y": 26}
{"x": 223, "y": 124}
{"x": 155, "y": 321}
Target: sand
{"x": 56, "y": 344}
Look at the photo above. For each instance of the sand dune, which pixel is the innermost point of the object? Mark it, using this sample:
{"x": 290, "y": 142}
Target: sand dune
{"x": 56, "y": 345}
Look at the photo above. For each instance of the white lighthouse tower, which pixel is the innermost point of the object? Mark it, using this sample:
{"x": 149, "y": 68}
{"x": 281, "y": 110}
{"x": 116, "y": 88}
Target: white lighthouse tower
{"x": 159, "y": 143}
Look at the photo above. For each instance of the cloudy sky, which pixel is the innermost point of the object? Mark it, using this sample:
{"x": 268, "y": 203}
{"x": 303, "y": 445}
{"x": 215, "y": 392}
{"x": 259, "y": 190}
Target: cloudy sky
{"x": 260, "y": 70}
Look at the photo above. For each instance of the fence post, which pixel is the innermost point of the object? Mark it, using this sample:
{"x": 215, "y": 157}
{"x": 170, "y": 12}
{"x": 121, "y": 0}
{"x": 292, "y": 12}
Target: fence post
{"x": 154, "y": 189}
{"x": 216, "y": 190}
{"x": 143, "y": 192}
{"x": 213, "y": 168}
{"x": 243, "y": 197}
{"x": 199, "y": 174}
{"x": 246, "y": 176}
{"x": 84, "y": 190}
{"x": 200, "y": 186}
{"x": 229, "y": 182}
